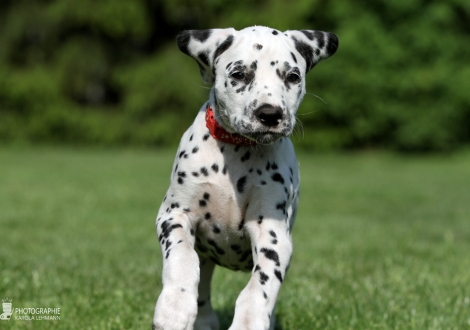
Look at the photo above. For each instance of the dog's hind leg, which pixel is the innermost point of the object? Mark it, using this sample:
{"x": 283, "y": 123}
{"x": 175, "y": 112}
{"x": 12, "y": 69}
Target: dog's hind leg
{"x": 206, "y": 317}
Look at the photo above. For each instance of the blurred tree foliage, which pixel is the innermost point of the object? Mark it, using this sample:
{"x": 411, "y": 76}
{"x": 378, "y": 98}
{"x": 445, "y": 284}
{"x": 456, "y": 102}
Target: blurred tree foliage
{"x": 109, "y": 72}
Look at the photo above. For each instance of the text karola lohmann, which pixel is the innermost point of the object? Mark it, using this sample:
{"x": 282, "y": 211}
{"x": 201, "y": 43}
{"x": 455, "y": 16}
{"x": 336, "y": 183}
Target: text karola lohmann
{"x": 37, "y": 314}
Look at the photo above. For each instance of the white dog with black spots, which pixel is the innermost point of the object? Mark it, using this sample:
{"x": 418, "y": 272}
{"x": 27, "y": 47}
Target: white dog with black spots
{"x": 234, "y": 187}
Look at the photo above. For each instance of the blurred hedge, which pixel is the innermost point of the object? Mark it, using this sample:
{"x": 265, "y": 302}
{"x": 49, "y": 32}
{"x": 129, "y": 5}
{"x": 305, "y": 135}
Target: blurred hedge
{"x": 109, "y": 72}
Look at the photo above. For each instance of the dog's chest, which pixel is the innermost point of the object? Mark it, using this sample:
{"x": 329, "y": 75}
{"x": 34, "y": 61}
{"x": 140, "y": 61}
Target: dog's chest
{"x": 220, "y": 187}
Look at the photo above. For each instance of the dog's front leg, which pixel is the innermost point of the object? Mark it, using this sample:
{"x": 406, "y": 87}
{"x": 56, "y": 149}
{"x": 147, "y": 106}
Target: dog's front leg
{"x": 176, "y": 307}
{"x": 272, "y": 251}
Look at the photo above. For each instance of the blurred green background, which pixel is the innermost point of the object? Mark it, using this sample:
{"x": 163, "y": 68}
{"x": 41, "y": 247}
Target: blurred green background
{"x": 382, "y": 239}
{"x": 107, "y": 72}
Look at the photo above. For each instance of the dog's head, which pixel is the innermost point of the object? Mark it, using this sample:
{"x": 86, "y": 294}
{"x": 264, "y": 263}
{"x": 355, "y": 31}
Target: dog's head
{"x": 259, "y": 74}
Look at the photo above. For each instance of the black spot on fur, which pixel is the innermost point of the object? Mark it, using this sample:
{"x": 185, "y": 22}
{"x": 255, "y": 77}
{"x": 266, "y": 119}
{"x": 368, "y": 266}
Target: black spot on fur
{"x": 215, "y": 167}
{"x": 205, "y": 137}
{"x": 271, "y": 255}
{"x": 204, "y": 171}
{"x": 277, "y": 177}
{"x": 203, "y": 57}
{"x": 263, "y": 278}
{"x": 320, "y": 36}
{"x": 167, "y": 245}
{"x": 241, "y": 184}
{"x": 293, "y": 57}
{"x": 218, "y": 249}
{"x": 241, "y": 89}
{"x": 258, "y": 46}
{"x": 241, "y": 224}
{"x": 333, "y": 42}
{"x": 207, "y": 216}
{"x": 224, "y": 170}
{"x": 281, "y": 206}
{"x": 180, "y": 180}
{"x": 278, "y": 275}
{"x": 167, "y": 229}
{"x": 195, "y": 149}
{"x": 254, "y": 65}
{"x": 260, "y": 219}
{"x": 306, "y": 51}
{"x": 201, "y": 35}
{"x": 206, "y": 196}
{"x": 246, "y": 156}
{"x": 202, "y": 203}
{"x": 308, "y": 34}
{"x": 223, "y": 46}
{"x": 275, "y": 32}
{"x": 184, "y": 37}
{"x": 216, "y": 229}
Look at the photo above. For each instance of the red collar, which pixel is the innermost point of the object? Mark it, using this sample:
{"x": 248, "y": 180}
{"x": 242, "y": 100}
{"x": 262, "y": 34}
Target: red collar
{"x": 221, "y": 134}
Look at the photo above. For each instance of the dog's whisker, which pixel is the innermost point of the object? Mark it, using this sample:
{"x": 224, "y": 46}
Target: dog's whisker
{"x": 318, "y": 97}
{"x": 307, "y": 113}
{"x": 299, "y": 129}
{"x": 205, "y": 87}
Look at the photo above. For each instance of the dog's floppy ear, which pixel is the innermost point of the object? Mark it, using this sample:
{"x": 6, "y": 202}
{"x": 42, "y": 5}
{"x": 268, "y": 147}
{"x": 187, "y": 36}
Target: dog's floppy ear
{"x": 314, "y": 46}
{"x": 205, "y": 46}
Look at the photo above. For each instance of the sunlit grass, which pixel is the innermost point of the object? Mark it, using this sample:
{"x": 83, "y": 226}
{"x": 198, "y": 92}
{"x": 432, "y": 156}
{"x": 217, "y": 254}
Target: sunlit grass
{"x": 381, "y": 241}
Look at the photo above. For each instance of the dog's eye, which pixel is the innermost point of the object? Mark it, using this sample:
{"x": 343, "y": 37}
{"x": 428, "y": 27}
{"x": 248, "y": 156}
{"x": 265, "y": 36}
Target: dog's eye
{"x": 238, "y": 75}
{"x": 293, "y": 78}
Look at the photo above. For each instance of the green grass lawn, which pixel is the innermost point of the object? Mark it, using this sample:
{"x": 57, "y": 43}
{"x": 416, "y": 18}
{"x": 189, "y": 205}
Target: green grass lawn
{"x": 381, "y": 241}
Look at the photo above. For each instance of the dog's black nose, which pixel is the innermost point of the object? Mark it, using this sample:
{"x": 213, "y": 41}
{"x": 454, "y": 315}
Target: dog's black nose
{"x": 269, "y": 115}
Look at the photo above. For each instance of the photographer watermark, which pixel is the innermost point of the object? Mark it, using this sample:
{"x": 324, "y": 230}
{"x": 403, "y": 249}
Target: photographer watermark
{"x": 28, "y": 313}
{"x": 6, "y": 305}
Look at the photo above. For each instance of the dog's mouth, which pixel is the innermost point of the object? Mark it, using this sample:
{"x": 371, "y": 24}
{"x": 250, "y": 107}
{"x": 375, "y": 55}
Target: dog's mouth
{"x": 266, "y": 137}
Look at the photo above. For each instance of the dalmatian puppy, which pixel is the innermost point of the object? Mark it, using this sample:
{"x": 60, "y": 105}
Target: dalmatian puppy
{"x": 235, "y": 180}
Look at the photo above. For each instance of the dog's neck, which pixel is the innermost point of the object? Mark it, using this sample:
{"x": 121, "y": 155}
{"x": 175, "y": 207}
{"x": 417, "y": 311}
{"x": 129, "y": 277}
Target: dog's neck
{"x": 219, "y": 128}
{"x": 219, "y": 133}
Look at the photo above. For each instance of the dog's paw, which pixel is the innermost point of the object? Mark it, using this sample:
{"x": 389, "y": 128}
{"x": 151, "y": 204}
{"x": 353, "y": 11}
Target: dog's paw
{"x": 175, "y": 310}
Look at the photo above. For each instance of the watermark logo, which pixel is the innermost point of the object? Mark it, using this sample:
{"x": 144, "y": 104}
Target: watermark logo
{"x": 28, "y": 313}
{"x": 7, "y": 310}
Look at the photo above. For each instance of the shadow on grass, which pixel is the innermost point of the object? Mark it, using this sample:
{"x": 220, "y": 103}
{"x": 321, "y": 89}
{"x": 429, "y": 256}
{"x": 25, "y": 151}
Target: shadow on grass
{"x": 226, "y": 316}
